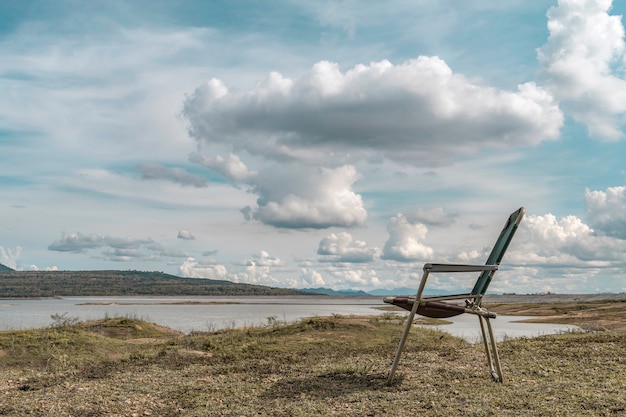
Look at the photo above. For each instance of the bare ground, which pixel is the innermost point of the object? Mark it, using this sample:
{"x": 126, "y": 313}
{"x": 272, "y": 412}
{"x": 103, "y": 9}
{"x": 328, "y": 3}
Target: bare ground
{"x": 590, "y": 312}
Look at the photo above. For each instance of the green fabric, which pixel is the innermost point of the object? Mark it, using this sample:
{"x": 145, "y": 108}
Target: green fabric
{"x": 506, "y": 235}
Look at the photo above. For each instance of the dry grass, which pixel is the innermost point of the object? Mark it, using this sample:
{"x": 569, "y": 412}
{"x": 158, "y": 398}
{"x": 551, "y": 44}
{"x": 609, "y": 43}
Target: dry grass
{"x": 318, "y": 366}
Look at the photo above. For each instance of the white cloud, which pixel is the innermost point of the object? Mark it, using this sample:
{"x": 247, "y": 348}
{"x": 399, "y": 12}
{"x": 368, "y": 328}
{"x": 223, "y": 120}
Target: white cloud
{"x": 547, "y": 228}
{"x": 354, "y": 277}
{"x": 300, "y": 197}
{"x": 36, "y": 268}
{"x": 311, "y": 278}
{"x": 418, "y": 112}
{"x": 404, "y": 241}
{"x": 259, "y": 275}
{"x": 567, "y": 242}
{"x": 342, "y": 247}
{"x": 9, "y": 257}
{"x": 185, "y": 235}
{"x": 583, "y": 61}
{"x": 263, "y": 259}
{"x": 607, "y": 211}
{"x": 260, "y": 269}
{"x": 193, "y": 269}
{"x": 231, "y": 167}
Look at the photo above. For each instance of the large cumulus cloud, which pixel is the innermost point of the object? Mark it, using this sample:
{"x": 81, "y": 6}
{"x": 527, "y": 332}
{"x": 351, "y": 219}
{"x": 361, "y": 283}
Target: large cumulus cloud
{"x": 583, "y": 62}
{"x": 418, "y": 111}
{"x": 563, "y": 255}
{"x": 316, "y": 128}
{"x": 568, "y": 242}
{"x": 405, "y": 241}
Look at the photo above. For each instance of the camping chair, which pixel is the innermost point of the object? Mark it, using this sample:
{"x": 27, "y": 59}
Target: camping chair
{"x": 438, "y": 307}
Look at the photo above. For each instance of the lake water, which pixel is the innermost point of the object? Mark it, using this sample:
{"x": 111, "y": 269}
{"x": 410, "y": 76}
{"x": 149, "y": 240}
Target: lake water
{"x": 188, "y": 314}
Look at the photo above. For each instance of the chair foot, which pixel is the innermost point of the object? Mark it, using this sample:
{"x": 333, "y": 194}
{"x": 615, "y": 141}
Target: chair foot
{"x": 495, "y": 376}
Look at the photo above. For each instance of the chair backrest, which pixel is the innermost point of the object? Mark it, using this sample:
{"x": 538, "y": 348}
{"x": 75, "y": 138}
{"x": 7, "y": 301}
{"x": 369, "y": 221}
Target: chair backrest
{"x": 506, "y": 235}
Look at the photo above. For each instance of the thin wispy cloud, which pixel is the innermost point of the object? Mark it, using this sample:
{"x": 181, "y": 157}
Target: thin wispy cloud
{"x": 156, "y": 171}
{"x": 119, "y": 249}
{"x": 433, "y": 217}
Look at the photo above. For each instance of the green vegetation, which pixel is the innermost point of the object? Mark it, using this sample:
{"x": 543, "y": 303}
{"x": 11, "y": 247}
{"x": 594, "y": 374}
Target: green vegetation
{"x": 317, "y": 366}
{"x": 31, "y": 284}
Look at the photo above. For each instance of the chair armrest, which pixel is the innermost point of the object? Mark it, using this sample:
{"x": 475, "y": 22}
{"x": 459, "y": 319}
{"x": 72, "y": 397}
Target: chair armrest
{"x": 458, "y": 268}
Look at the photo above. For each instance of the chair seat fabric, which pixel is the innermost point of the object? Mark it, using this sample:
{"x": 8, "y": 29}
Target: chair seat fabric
{"x": 433, "y": 309}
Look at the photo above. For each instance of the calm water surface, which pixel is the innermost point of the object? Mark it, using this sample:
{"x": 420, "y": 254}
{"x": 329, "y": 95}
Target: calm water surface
{"x": 214, "y": 313}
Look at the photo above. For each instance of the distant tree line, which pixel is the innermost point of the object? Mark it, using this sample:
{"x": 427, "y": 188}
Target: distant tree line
{"x": 30, "y": 284}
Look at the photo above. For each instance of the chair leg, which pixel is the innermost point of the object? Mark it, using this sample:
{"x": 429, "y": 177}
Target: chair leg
{"x": 496, "y": 357}
{"x": 407, "y": 329}
{"x": 491, "y": 350}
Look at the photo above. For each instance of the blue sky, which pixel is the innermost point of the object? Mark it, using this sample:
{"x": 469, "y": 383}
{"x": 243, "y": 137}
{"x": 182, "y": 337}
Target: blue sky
{"x": 303, "y": 144}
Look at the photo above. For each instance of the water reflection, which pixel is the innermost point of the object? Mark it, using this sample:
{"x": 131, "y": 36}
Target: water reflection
{"x": 467, "y": 327}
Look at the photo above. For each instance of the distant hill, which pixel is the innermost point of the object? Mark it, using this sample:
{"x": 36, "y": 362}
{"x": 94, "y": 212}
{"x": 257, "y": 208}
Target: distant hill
{"x": 394, "y": 291}
{"x": 412, "y": 291}
{"x": 29, "y": 284}
{"x": 4, "y": 268}
{"x": 26, "y": 284}
{"x": 377, "y": 292}
{"x": 339, "y": 293}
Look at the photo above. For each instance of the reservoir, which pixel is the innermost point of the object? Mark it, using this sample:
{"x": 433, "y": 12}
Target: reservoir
{"x": 188, "y": 314}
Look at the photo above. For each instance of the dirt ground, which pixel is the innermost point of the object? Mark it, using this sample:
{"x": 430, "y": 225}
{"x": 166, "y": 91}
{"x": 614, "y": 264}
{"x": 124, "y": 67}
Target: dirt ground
{"x": 592, "y": 312}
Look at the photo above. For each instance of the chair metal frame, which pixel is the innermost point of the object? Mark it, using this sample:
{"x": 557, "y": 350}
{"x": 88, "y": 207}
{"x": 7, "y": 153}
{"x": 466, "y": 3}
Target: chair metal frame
{"x": 436, "y": 306}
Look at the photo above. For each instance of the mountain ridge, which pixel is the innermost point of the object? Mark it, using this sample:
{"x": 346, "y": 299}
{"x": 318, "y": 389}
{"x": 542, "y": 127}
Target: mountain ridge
{"x": 4, "y": 268}
{"x": 25, "y": 284}
{"x": 30, "y": 284}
